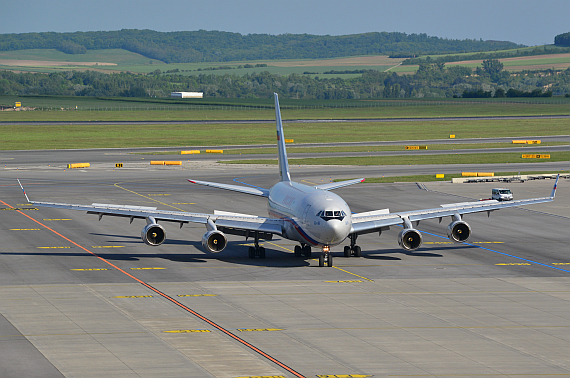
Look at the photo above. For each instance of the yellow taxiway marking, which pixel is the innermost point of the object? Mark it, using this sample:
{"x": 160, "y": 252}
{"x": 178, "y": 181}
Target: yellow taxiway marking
{"x": 514, "y": 264}
{"x": 258, "y": 329}
{"x": 197, "y": 295}
{"x": 184, "y": 203}
{"x": 25, "y": 229}
{"x": 58, "y": 219}
{"x": 145, "y": 268}
{"x": 81, "y": 270}
{"x": 346, "y": 271}
{"x": 345, "y": 281}
{"x": 24, "y": 204}
{"x": 107, "y": 246}
{"x": 133, "y": 296}
{"x": 152, "y": 199}
{"x": 560, "y": 263}
{"x": 19, "y": 208}
{"x": 188, "y": 331}
{"x": 52, "y": 247}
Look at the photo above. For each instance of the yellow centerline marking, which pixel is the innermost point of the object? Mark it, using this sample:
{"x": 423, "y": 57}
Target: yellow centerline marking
{"x": 345, "y": 281}
{"x": 107, "y": 246}
{"x": 258, "y": 329}
{"x": 560, "y": 263}
{"x": 133, "y": 296}
{"x": 152, "y": 199}
{"x": 197, "y": 295}
{"x": 52, "y": 247}
{"x": 514, "y": 264}
{"x": 188, "y": 331}
{"x": 25, "y": 229}
{"x": 346, "y": 271}
{"x": 145, "y": 268}
{"x": 81, "y": 270}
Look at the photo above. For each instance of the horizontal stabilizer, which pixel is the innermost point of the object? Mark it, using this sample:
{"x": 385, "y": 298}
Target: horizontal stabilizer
{"x": 236, "y": 188}
{"x": 340, "y": 184}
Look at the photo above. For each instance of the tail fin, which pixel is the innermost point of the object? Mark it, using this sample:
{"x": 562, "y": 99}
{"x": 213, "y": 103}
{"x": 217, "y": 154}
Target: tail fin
{"x": 283, "y": 163}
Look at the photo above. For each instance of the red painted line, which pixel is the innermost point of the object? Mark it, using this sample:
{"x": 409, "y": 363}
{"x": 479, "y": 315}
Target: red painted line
{"x": 218, "y": 327}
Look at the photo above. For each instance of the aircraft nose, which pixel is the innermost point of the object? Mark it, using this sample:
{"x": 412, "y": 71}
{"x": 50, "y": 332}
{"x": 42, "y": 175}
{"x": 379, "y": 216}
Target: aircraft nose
{"x": 337, "y": 231}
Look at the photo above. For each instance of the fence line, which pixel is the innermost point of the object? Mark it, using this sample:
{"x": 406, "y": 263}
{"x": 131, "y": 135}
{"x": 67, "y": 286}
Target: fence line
{"x": 369, "y": 104}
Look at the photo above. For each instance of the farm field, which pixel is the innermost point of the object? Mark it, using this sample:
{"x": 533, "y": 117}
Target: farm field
{"x": 56, "y": 136}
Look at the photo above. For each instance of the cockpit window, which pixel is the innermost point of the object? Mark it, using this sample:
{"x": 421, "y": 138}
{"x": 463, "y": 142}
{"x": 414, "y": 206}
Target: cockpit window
{"x": 331, "y": 214}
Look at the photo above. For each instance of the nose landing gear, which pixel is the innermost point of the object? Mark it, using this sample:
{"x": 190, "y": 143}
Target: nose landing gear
{"x": 353, "y": 250}
{"x": 326, "y": 257}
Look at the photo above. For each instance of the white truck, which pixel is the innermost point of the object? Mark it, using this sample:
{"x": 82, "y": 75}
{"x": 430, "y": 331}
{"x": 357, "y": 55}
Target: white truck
{"x": 502, "y": 194}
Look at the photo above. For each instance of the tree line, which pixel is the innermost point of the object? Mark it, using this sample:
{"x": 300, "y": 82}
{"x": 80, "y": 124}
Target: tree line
{"x": 430, "y": 81}
{"x": 218, "y": 46}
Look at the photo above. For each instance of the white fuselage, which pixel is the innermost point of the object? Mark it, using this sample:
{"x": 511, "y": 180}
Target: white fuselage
{"x": 312, "y": 216}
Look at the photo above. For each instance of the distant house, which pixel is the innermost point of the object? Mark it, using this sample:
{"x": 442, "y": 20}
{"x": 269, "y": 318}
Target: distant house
{"x": 187, "y": 94}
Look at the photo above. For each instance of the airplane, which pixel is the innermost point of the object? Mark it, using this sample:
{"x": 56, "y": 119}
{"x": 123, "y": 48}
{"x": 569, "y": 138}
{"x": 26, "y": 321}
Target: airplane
{"x": 312, "y": 216}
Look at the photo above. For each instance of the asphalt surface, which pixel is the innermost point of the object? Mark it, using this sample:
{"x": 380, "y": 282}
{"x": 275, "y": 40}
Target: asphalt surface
{"x": 82, "y": 298}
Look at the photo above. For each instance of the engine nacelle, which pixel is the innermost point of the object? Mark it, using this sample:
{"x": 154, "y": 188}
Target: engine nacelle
{"x": 410, "y": 239}
{"x": 214, "y": 241}
{"x": 153, "y": 234}
{"x": 458, "y": 231}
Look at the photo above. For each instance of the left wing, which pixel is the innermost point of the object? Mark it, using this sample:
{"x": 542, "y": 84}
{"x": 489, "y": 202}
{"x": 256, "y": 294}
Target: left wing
{"x": 376, "y": 220}
{"x": 232, "y": 221}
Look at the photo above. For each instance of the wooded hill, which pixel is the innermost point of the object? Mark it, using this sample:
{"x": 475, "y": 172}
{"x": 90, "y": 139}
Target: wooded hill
{"x": 217, "y": 46}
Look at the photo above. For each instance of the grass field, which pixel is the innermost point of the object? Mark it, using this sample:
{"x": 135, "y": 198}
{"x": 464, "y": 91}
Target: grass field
{"x": 26, "y": 137}
{"x": 486, "y": 158}
{"x": 291, "y": 150}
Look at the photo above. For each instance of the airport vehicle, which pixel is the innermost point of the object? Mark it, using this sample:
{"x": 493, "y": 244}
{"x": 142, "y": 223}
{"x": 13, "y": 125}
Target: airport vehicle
{"x": 501, "y": 194}
{"x": 313, "y": 216}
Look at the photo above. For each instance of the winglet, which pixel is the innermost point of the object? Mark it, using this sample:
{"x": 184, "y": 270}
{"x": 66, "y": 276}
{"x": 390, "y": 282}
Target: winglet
{"x": 282, "y": 151}
{"x": 554, "y": 188}
{"x": 23, "y": 190}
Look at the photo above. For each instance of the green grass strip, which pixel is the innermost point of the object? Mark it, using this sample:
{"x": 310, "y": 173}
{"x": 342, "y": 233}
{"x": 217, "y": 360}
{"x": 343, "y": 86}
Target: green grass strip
{"x": 482, "y": 158}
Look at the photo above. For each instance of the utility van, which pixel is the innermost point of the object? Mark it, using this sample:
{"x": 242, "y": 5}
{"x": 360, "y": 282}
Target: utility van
{"x": 502, "y": 194}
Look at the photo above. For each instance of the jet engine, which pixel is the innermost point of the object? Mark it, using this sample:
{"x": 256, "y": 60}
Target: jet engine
{"x": 410, "y": 239}
{"x": 214, "y": 241}
{"x": 153, "y": 234}
{"x": 458, "y": 231}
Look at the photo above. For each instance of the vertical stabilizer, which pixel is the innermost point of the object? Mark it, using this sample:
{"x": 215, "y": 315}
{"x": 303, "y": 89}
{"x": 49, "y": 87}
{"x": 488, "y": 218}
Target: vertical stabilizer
{"x": 283, "y": 163}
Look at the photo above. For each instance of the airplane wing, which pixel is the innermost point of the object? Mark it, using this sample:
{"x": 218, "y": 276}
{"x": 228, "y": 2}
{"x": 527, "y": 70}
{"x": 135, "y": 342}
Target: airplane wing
{"x": 340, "y": 184}
{"x": 236, "y": 188}
{"x": 373, "y": 221}
{"x": 232, "y": 221}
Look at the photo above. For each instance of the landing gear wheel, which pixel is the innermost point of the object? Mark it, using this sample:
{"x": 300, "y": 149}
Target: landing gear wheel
{"x": 307, "y": 251}
{"x": 298, "y": 251}
{"x": 251, "y": 252}
{"x": 329, "y": 260}
{"x": 261, "y": 252}
{"x": 357, "y": 251}
{"x": 347, "y": 251}
{"x": 322, "y": 260}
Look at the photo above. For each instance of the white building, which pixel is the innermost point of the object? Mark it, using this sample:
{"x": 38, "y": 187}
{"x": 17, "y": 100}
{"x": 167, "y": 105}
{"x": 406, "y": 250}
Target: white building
{"x": 187, "y": 94}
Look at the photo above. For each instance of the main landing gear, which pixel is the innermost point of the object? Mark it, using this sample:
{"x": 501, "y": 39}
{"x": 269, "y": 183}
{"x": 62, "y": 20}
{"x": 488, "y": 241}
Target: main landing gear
{"x": 304, "y": 250}
{"x": 257, "y": 250}
{"x": 326, "y": 257}
{"x": 353, "y": 250}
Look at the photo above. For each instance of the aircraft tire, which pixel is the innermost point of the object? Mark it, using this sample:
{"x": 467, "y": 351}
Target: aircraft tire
{"x": 307, "y": 251}
{"x": 329, "y": 261}
{"x": 261, "y": 252}
{"x": 357, "y": 251}
{"x": 322, "y": 260}
{"x": 298, "y": 251}
{"x": 347, "y": 251}
{"x": 251, "y": 252}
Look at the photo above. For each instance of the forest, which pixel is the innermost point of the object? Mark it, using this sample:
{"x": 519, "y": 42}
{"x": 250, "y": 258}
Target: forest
{"x": 217, "y": 46}
{"x": 431, "y": 80}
